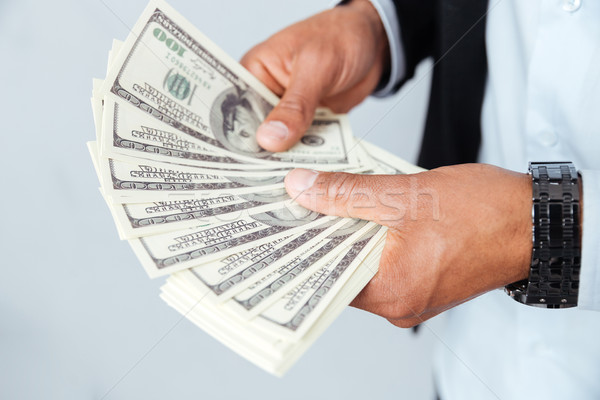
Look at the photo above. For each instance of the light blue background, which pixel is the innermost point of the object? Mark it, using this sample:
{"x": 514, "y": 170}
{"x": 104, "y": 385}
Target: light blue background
{"x": 79, "y": 318}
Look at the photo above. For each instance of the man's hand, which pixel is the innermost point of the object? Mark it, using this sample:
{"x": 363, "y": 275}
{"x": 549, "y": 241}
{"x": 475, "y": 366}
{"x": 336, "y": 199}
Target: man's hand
{"x": 454, "y": 232}
{"x": 334, "y": 59}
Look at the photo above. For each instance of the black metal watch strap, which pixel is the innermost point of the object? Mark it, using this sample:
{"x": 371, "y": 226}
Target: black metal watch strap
{"x": 555, "y": 260}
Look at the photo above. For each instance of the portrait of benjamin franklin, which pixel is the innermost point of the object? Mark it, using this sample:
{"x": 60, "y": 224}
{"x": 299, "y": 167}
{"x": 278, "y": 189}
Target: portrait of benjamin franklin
{"x": 235, "y": 115}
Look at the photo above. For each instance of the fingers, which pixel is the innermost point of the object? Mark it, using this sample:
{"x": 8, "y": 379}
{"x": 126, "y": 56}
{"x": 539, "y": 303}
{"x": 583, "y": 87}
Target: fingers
{"x": 312, "y": 74}
{"x": 411, "y": 322}
{"x": 292, "y": 116}
{"x": 397, "y": 310}
{"x": 378, "y": 198}
{"x": 253, "y": 62}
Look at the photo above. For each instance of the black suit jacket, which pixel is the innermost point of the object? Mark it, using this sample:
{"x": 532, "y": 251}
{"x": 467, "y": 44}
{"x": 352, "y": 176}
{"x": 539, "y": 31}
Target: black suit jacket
{"x": 452, "y": 32}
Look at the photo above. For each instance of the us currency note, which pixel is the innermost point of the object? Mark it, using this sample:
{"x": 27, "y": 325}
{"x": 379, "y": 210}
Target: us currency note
{"x": 265, "y": 291}
{"x": 173, "y": 251}
{"x": 172, "y": 72}
{"x": 265, "y": 348}
{"x": 256, "y": 346}
{"x": 113, "y": 53}
{"x": 139, "y": 135}
{"x": 131, "y": 132}
{"x": 139, "y": 180}
{"x": 97, "y": 93}
{"x": 294, "y": 313}
{"x": 143, "y": 219}
{"x": 97, "y": 107}
{"x": 220, "y": 280}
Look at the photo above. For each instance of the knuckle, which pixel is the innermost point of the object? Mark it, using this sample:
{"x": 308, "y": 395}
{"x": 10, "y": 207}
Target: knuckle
{"x": 341, "y": 187}
{"x": 396, "y": 312}
{"x": 404, "y": 323}
{"x": 324, "y": 60}
{"x": 253, "y": 65}
{"x": 406, "y": 309}
{"x": 298, "y": 106}
{"x": 252, "y": 57}
{"x": 317, "y": 51}
{"x": 295, "y": 104}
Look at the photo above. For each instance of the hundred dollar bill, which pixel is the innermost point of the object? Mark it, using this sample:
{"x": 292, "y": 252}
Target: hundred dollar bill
{"x": 139, "y": 180}
{"x": 255, "y": 345}
{"x": 266, "y": 349}
{"x": 143, "y": 219}
{"x": 265, "y": 291}
{"x": 150, "y": 138}
{"x": 132, "y": 132}
{"x": 293, "y": 314}
{"x": 113, "y": 53}
{"x": 173, "y": 251}
{"x": 221, "y": 280}
{"x": 172, "y": 72}
{"x": 98, "y": 94}
{"x": 97, "y": 107}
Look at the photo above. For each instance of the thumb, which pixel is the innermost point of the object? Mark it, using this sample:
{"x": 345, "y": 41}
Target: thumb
{"x": 294, "y": 113}
{"x": 378, "y": 198}
{"x": 288, "y": 121}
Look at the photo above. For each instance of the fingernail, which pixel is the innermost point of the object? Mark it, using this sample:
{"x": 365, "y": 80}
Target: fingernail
{"x": 300, "y": 179}
{"x": 275, "y": 130}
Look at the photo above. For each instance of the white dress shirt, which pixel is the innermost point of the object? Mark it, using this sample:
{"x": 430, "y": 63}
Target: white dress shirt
{"x": 542, "y": 103}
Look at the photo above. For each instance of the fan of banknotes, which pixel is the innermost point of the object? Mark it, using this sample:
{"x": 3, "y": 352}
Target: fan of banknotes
{"x": 199, "y": 200}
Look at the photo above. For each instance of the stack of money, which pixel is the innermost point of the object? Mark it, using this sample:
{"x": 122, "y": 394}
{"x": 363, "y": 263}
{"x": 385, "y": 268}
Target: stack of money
{"x": 198, "y": 199}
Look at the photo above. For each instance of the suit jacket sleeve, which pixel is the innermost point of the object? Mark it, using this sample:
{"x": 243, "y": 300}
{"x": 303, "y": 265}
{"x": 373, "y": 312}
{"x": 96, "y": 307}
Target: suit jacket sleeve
{"x": 452, "y": 33}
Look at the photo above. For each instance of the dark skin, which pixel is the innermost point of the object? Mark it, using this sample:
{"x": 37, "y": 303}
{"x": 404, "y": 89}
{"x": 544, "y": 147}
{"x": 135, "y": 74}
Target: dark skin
{"x": 310, "y": 64}
{"x": 453, "y": 233}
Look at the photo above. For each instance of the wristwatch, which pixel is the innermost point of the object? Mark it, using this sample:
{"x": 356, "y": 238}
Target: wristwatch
{"x": 555, "y": 260}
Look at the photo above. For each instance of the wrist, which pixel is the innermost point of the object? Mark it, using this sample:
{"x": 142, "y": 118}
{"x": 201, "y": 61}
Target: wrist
{"x": 524, "y": 231}
{"x": 553, "y": 279}
{"x": 367, "y": 10}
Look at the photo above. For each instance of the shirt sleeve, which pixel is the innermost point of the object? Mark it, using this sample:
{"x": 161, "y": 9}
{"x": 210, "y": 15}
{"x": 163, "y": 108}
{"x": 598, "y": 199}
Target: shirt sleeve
{"x": 387, "y": 13}
{"x": 589, "y": 277}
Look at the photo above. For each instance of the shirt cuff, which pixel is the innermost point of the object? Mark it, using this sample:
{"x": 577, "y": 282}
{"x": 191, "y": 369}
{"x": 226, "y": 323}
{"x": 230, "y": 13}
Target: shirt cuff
{"x": 589, "y": 276}
{"x": 387, "y": 14}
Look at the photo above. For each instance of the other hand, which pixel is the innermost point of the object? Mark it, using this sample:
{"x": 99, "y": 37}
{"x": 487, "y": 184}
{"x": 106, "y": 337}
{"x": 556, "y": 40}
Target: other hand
{"x": 333, "y": 59}
{"x": 454, "y": 232}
